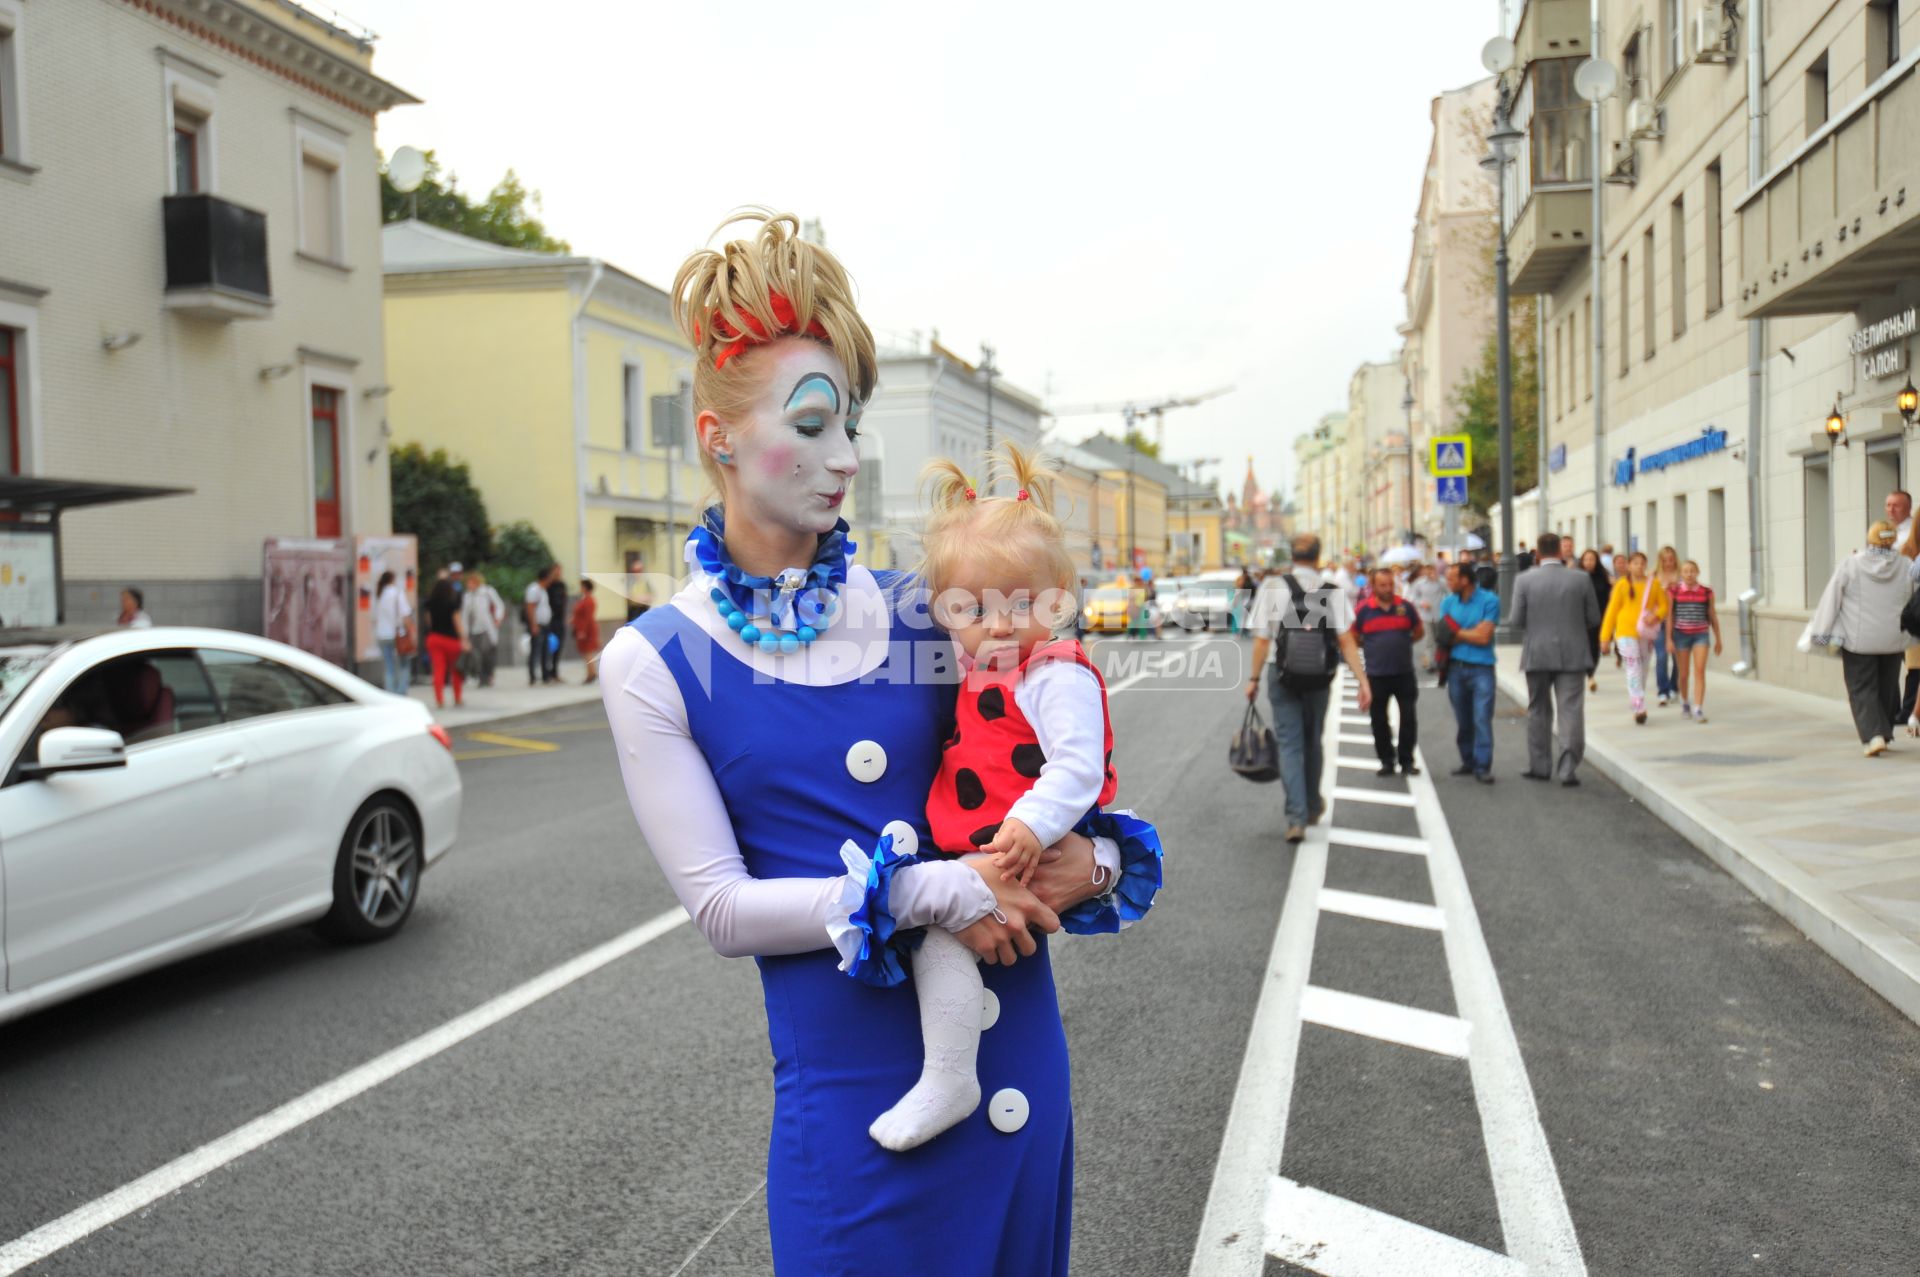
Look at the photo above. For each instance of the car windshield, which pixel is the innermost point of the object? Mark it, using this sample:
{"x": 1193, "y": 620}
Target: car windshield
{"x": 1215, "y": 587}
{"x": 18, "y": 665}
{"x": 1107, "y": 596}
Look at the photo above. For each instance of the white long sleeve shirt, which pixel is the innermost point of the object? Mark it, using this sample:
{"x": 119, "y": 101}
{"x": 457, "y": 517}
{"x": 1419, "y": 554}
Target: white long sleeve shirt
{"x": 1062, "y": 701}
{"x": 684, "y": 819}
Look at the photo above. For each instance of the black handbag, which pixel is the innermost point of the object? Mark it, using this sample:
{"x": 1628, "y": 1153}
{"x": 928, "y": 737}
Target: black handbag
{"x": 1253, "y": 752}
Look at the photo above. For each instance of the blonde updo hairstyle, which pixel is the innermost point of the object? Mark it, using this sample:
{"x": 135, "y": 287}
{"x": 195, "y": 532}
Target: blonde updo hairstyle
{"x": 738, "y": 280}
{"x": 1007, "y": 535}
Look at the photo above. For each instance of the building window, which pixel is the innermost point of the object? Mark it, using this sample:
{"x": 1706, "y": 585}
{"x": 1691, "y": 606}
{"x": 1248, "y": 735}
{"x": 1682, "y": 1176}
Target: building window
{"x": 1675, "y": 19}
{"x": 326, "y": 461}
{"x": 188, "y": 130}
{"x": 1816, "y": 94}
{"x": 319, "y": 205}
{"x": 1626, "y": 284}
{"x": 1646, "y": 290}
{"x": 1711, "y": 262}
{"x": 10, "y": 351}
{"x": 630, "y": 409}
{"x": 1559, "y": 370}
{"x": 1586, "y": 308}
{"x": 1677, "y": 230}
{"x": 12, "y": 143}
{"x": 1884, "y": 471}
{"x": 1819, "y": 526}
{"x": 1883, "y": 37}
{"x": 1680, "y": 527}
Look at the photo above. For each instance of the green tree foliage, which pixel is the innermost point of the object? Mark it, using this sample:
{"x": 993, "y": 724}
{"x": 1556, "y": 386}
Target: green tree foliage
{"x": 434, "y": 499}
{"x": 520, "y": 554}
{"x": 505, "y": 216}
{"x": 1139, "y": 442}
{"x": 1476, "y": 403}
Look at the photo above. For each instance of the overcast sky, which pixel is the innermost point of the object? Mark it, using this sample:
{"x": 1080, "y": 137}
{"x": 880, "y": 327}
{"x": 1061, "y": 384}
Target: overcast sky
{"x": 1127, "y": 200}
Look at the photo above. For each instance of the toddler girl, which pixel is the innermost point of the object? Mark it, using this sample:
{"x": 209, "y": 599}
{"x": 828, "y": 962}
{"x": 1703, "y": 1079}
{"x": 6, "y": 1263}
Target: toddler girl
{"x": 1030, "y": 757}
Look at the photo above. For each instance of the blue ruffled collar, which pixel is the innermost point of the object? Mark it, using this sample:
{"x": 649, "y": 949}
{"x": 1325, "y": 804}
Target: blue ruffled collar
{"x": 793, "y": 598}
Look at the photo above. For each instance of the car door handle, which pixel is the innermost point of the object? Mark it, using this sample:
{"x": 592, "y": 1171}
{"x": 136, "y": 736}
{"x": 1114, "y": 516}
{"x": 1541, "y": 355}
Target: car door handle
{"x": 229, "y": 767}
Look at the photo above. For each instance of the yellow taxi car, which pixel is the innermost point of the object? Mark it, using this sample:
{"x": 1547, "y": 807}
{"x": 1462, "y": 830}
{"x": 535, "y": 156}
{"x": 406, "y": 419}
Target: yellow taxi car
{"x": 1117, "y": 609}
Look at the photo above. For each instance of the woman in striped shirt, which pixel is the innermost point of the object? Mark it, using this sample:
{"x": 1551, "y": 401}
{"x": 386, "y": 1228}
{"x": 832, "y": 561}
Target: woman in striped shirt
{"x": 1690, "y": 621}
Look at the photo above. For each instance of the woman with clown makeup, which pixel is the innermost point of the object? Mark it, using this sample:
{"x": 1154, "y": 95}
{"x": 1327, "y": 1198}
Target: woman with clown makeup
{"x": 779, "y": 724}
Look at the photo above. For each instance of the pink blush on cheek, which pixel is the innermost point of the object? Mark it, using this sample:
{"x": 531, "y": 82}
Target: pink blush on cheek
{"x": 776, "y": 461}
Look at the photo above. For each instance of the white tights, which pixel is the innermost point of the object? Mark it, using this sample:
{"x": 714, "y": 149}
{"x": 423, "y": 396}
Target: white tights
{"x": 947, "y": 977}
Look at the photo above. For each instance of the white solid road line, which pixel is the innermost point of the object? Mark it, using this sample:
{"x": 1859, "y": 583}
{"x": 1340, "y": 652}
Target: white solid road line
{"x": 1388, "y": 1021}
{"x": 1401, "y": 913}
{"x": 35, "y": 1246}
{"x": 1533, "y": 1209}
{"x": 1345, "y": 1239}
{"x": 1252, "y": 1212}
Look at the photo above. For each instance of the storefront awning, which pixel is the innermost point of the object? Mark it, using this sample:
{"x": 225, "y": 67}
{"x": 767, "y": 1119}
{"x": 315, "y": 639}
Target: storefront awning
{"x": 35, "y": 494}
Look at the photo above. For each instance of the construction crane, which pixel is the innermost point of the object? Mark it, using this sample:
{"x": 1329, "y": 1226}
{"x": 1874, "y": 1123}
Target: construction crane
{"x": 1133, "y": 409}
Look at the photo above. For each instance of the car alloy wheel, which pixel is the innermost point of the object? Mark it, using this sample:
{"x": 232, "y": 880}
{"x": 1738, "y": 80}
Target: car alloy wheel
{"x": 377, "y": 874}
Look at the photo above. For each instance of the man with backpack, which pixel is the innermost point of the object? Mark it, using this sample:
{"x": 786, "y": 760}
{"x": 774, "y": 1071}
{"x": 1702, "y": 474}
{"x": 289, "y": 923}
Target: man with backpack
{"x": 1307, "y": 624}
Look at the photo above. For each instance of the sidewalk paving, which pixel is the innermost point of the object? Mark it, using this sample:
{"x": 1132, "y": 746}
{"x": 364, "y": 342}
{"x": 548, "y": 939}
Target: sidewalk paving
{"x": 1774, "y": 789}
{"x": 509, "y": 697}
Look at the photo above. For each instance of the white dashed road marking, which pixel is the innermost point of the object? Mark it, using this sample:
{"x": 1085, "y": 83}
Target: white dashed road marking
{"x": 1254, "y": 1212}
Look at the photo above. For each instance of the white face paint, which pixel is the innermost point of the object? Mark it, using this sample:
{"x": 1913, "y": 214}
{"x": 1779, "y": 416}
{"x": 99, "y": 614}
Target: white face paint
{"x": 793, "y": 452}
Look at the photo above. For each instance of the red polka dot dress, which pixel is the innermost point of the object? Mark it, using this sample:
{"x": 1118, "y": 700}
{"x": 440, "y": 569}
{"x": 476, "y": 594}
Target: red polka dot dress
{"x": 1035, "y": 743}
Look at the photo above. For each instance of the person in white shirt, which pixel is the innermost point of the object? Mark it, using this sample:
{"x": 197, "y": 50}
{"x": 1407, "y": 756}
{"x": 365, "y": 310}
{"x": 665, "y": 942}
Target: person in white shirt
{"x": 392, "y": 621}
{"x": 536, "y": 609}
{"x": 483, "y": 611}
{"x": 1900, "y": 515}
{"x": 133, "y": 610}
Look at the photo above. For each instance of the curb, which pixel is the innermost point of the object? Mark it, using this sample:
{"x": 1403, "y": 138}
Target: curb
{"x": 1879, "y": 956}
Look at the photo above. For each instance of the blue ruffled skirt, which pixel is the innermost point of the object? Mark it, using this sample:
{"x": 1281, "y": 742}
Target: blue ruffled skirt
{"x": 972, "y": 1202}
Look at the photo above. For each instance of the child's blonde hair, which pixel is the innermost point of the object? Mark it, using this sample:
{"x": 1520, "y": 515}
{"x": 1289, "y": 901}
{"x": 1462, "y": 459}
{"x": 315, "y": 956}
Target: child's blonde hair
{"x": 1016, "y": 534}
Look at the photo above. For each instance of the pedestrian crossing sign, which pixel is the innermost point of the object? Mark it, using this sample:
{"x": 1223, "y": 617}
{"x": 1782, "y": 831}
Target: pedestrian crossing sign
{"x": 1451, "y": 489}
{"x": 1450, "y": 455}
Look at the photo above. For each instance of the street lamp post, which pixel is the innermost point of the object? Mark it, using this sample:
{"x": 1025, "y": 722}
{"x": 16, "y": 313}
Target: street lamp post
{"x": 1406, "y": 408}
{"x": 1502, "y": 144}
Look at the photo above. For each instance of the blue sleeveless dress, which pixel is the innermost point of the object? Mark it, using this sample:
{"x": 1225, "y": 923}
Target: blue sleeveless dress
{"x": 974, "y": 1201}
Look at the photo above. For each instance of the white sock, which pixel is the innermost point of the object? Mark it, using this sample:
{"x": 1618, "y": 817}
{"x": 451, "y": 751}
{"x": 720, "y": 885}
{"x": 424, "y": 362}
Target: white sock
{"x": 946, "y": 976}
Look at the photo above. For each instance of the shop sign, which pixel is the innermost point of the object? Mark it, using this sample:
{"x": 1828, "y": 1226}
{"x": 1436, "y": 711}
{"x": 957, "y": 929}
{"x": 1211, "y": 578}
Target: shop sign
{"x": 1623, "y": 470}
{"x": 1557, "y": 458}
{"x": 1881, "y": 347}
{"x": 1709, "y": 442}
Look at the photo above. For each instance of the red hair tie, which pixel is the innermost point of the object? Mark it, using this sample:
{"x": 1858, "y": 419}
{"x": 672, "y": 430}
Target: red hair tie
{"x": 756, "y": 334}
{"x": 969, "y": 494}
{"x": 1023, "y": 495}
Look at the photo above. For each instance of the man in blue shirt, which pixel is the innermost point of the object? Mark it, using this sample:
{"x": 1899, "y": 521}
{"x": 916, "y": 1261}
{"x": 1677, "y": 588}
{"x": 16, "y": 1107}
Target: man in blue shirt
{"x": 1469, "y": 615}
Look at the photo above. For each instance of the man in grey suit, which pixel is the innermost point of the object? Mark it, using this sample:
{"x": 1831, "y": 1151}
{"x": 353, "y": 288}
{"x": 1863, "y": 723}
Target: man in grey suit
{"x": 1556, "y": 608}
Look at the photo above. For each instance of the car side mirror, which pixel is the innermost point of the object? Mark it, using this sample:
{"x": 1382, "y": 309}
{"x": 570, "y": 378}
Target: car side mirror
{"x": 76, "y": 749}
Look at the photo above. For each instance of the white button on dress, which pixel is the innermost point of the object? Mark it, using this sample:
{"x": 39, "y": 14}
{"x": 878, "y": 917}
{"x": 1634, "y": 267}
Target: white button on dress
{"x": 905, "y": 841}
{"x": 1007, "y": 1110}
{"x": 866, "y": 761}
{"x": 989, "y": 1009}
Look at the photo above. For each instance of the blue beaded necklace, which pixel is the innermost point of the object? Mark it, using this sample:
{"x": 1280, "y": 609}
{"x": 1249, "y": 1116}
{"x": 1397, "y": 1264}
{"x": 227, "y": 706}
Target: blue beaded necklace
{"x": 798, "y": 604}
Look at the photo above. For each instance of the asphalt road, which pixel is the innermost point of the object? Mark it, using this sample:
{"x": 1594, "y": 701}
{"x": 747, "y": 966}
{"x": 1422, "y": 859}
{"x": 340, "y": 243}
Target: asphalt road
{"x": 1718, "y": 1096}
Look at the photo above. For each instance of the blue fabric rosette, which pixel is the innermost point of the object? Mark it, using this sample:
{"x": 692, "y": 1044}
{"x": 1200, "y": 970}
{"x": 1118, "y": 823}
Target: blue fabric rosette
{"x": 871, "y": 950}
{"x": 1131, "y": 895}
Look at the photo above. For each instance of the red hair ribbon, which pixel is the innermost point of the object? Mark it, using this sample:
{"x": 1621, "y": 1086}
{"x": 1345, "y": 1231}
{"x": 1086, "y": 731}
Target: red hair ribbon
{"x": 969, "y": 494}
{"x": 756, "y": 334}
{"x": 1023, "y": 496}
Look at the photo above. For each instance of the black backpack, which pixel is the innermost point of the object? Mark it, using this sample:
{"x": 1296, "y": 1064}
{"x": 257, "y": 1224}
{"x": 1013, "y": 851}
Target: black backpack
{"x": 1306, "y": 655}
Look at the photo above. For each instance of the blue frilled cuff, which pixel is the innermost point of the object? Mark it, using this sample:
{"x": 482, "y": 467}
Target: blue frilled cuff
{"x": 1139, "y": 882}
{"x": 871, "y": 951}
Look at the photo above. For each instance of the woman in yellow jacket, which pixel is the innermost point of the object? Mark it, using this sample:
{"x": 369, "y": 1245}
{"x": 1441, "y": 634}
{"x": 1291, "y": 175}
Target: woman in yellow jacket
{"x": 1638, "y": 606}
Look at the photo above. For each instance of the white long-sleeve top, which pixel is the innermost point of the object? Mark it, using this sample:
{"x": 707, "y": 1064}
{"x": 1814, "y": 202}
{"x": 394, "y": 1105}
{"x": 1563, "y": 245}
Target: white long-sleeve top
{"x": 684, "y": 819}
{"x": 1063, "y": 702}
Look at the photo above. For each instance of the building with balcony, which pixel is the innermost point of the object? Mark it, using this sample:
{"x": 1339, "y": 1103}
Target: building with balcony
{"x": 1759, "y": 271}
{"x": 1449, "y": 285}
{"x": 563, "y": 384}
{"x": 1377, "y": 512}
{"x": 189, "y": 295}
{"x": 1321, "y": 480}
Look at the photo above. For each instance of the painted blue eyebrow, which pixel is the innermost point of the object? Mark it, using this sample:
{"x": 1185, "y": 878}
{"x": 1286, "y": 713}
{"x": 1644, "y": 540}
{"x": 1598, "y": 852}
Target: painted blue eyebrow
{"x": 806, "y": 383}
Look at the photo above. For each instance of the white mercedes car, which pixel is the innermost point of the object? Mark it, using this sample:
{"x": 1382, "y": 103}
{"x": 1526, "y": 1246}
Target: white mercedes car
{"x": 171, "y": 790}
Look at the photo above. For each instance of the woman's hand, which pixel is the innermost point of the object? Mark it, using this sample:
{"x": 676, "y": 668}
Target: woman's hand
{"x": 1065, "y": 879}
{"x": 1000, "y": 943}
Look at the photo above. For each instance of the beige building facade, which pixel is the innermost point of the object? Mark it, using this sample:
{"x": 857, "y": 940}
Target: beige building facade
{"x": 190, "y": 299}
{"x": 1758, "y": 274}
{"x": 1320, "y": 469}
{"x": 1448, "y": 292}
{"x": 1376, "y": 513}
